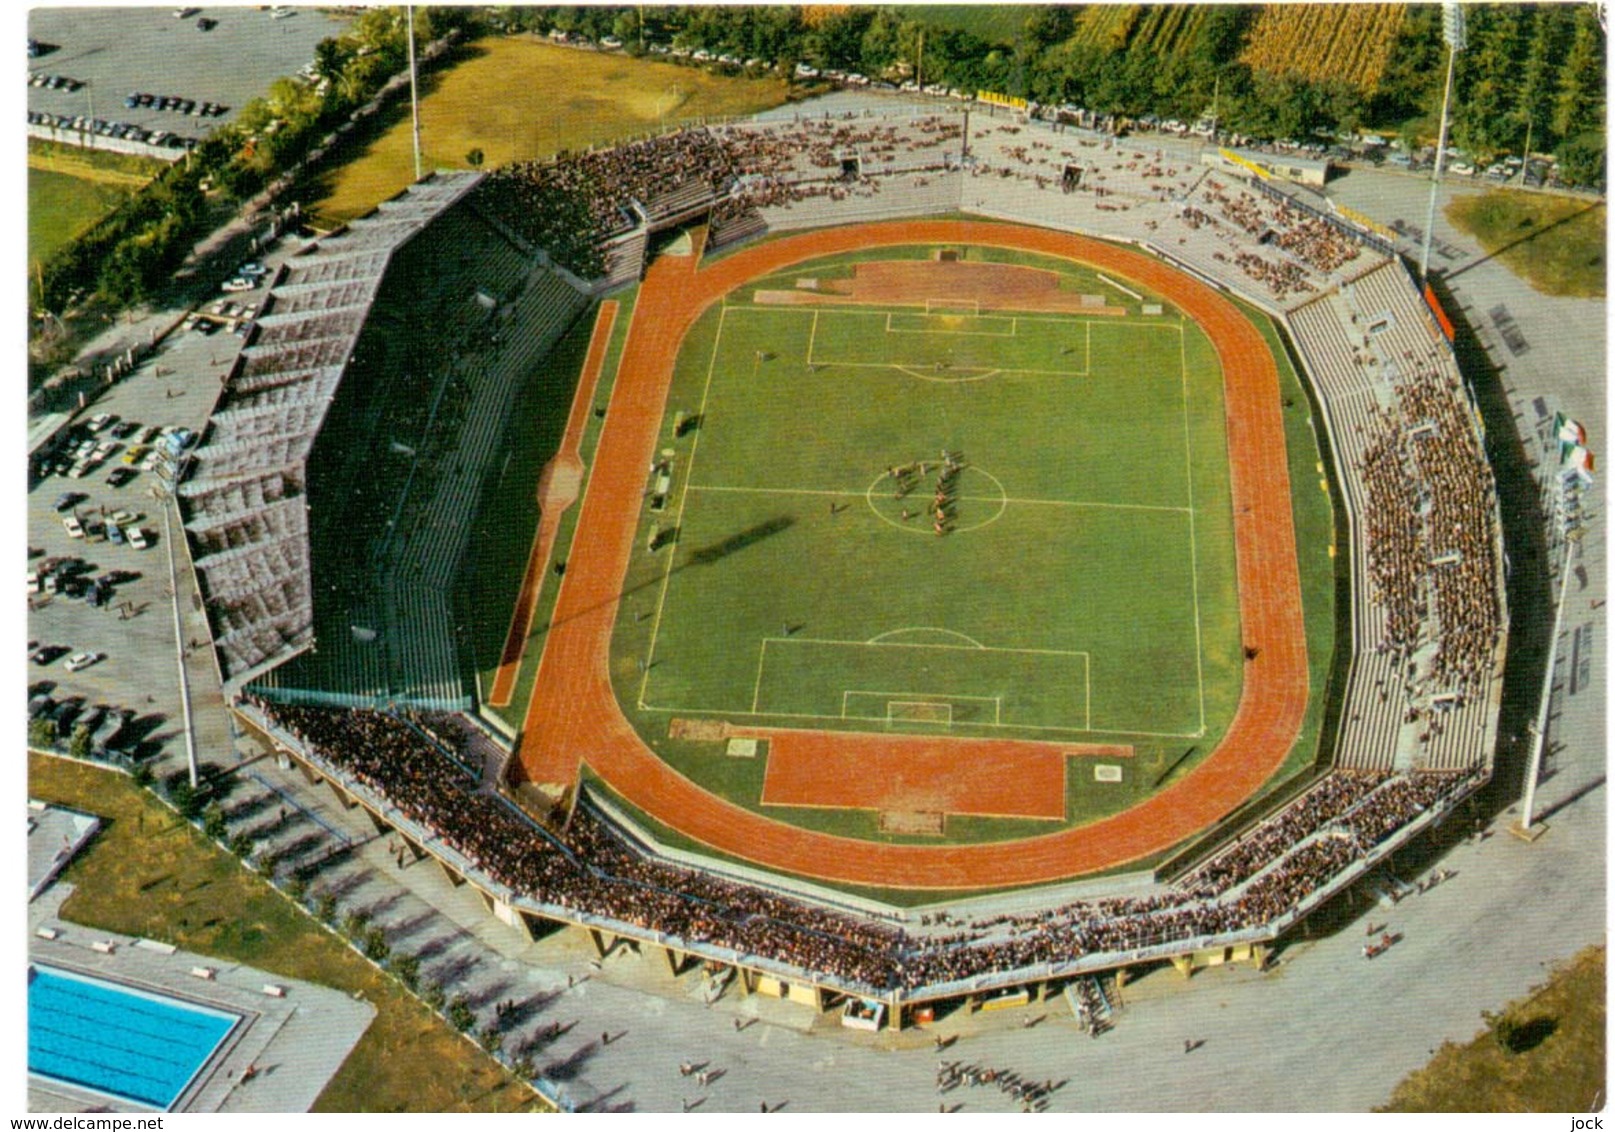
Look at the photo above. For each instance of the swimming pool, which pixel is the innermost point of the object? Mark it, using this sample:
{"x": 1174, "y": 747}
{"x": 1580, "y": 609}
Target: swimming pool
{"x": 132, "y": 1044}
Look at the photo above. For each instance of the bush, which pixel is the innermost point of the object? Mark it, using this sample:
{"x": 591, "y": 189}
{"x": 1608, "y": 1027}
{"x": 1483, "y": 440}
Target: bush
{"x": 433, "y": 994}
{"x": 491, "y": 1039}
{"x": 461, "y": 1016}
{"x": 325, "y": 907}
{"x": 354, "y": 923}
{"x": 374, "y": 944}
{"x": 408, "y": 970}
{"x": 142, "y": 775}
{"x": 42, "y": 734}
{"x": 296, "y": 888}
{"x": 213, "y": 823}
{"x": 241, "y": 845}
{"x": 184, "y": 797}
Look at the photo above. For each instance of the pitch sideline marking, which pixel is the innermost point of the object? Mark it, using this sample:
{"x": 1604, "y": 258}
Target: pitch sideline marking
{"x": 684, "y": 496}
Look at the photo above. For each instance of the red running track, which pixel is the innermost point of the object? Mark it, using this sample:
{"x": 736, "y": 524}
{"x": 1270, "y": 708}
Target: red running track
{"x": 574, "y": 717}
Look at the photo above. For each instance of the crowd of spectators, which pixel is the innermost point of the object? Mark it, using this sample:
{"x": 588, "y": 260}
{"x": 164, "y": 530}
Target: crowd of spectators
{"x": 1430, "y": 521}
{"x": 1280, "y": 277}
{"x": 1395, "y": 546}
{"x": 1313, "y": 240}
{"x": 589, "y": 869}
{"x": 573, "y": 203}
{"x": 1460, "y": 524}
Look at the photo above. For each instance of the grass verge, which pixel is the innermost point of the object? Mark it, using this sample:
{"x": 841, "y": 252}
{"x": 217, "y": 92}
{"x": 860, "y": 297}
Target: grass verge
{"x": 1541, "y": 1053}
{"x": 1556, "y": 244}
{"x": 151, "y": 874}
{"x": 520, "y": 99}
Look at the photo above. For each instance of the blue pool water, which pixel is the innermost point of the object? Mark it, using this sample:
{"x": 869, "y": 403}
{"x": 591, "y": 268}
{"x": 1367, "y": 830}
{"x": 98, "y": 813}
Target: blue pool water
{"x": 133, "y": 1044}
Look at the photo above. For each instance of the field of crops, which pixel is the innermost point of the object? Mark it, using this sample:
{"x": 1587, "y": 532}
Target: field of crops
{"x": 1170, "y": 29}
{"x": 1106, "y": 26}
{"x": 1325, "y": 41}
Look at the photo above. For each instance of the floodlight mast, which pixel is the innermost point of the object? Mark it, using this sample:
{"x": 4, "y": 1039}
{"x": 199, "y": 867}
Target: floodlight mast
{"x": 1452, "y": 30}
{"x": 414, "y": 91}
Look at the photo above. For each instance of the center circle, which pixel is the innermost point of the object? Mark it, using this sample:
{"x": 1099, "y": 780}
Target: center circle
{"x": 979, "y": 499}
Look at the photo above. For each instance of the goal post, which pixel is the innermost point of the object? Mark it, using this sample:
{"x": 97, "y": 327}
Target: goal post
{"x": 953, "y": 306}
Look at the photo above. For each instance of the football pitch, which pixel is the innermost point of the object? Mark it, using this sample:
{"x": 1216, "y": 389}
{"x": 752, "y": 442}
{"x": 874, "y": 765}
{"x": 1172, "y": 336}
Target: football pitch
{"x": 945, "y": 516}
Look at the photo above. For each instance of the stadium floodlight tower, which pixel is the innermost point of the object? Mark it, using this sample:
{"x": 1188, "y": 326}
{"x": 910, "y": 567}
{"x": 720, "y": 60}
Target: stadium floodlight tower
{"x": 1452, "y": 30}
{"x": 414, "y": 90}
{"x": 1528, "y": 828}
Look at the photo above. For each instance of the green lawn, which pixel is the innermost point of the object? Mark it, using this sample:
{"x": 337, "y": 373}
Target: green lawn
{"x": 1086, "y": 590}
{"x": 1556, "y": 244}
{"x": 149, "y": 874}
{"x": 69, "y": 189}
{"x": 1551, "y": 1058}
{"x": 520, "y": 99}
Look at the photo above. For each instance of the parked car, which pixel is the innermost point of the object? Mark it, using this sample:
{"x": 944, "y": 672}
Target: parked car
{"x": 121, "y": 476}
{"x": 69, "y": 499}
{"x": 82, "y": 660}
{"x": 238, "y": 284}
{"x": 45, "y": 654}
{"x": 138, "y": 538}
{"x": 75, "y": 529}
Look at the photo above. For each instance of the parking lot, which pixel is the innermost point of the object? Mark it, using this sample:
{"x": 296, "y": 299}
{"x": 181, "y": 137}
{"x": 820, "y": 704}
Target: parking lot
{"x": 130, "y": 624}
{"x": 116, "y": 52}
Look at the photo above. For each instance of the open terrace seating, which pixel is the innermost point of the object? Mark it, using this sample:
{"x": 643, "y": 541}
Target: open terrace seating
{"x": 1282, "y": 863}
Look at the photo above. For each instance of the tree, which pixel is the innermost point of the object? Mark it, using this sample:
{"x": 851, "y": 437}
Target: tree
{"x": 1579, "y": 106}
{"x": 1581, "y": 159}
{"x": 79, "y": 746}
{"x": 42, "y": 734}
{"x": 474, "y": 158}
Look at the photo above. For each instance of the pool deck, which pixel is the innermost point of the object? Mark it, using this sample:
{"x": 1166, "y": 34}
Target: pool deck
{"x": 295, "y": 1042}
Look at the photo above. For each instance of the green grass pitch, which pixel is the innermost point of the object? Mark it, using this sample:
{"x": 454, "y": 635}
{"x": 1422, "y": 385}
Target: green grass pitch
{"x": 1084, "y": 589}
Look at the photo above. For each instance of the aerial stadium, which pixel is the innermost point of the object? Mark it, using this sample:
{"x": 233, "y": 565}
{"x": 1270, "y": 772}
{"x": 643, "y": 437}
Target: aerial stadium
{"x": 942, "y": 508}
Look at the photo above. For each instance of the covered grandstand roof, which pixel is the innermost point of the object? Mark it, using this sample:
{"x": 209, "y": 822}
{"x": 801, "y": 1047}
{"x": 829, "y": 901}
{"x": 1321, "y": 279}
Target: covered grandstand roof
{"x": 244, "y": 500}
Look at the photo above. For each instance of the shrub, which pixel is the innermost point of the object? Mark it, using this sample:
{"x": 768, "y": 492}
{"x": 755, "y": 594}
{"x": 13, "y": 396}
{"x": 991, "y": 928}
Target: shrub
{"x": 433, "y": 994}
{"x": 325, "y": 907}
{"x": 213, "y": 823}
{"x": 408, "y": 970}
{"x": 374, "y": 943}
{"x": 461, "y": 1016}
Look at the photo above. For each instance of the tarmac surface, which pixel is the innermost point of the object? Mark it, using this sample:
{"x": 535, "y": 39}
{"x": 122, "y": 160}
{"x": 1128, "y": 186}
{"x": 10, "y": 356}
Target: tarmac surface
{"x": 116, "y": 52}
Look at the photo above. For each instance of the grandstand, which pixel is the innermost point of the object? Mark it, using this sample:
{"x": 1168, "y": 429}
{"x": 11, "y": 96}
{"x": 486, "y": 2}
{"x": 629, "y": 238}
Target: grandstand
{"x": 346, "y": 450}
{"x": 370, "y": 396}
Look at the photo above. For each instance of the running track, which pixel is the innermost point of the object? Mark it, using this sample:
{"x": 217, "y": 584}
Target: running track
{"x": 557, "y": 490}
{"x": 573, "y": 717}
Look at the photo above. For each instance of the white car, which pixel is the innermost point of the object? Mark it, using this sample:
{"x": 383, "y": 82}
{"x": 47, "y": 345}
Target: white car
{"x": 1462, "y": 169}
{"x": 137, "y": 538}
{"x": 75, "y": 529}
{"x": 123, "y": 518}
{"x": 81, "y": 660}
{"x": 238, "y": 284}
{"x": 253, "y": 270}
